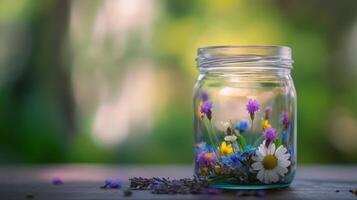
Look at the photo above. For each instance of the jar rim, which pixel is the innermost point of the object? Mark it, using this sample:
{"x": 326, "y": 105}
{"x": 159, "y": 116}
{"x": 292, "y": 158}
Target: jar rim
{"x": 244, "y": 55}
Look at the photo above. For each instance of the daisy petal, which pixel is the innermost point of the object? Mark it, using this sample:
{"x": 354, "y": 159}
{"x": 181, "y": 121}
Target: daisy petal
{"x": 284, "y": 157}
{"x": 282, "y": 170}
{"x": 260, "y": 175}
{"x": 260, "y": 155}
{"x": 271, "y": 149}
{"x": 257, "y": 166}
{"x": 280, "y": 151}
{"x": 267, "y": 176}
{"x": 274, "y": 176}
{"x": 256, "y": 159}
{"x": 262, "y": 150}
{"x": 284, "y": 163}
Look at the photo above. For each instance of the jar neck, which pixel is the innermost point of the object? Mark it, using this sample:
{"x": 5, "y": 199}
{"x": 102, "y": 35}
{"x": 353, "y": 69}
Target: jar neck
{"x": 247, "y": 72}
{"x": 244, "y": 58}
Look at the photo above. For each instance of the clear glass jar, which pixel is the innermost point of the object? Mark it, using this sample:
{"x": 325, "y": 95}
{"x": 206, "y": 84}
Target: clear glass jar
{"x": 245, "y": 117}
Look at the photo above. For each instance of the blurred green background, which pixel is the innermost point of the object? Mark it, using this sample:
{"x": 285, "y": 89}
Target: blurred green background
{"x": 111, "y": 81}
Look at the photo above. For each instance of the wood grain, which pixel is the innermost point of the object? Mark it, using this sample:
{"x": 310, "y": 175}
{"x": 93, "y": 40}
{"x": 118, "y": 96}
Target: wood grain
{"x": 83, "y": 182}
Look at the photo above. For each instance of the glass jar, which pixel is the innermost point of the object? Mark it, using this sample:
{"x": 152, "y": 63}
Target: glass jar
{"x": 245, "y": 117}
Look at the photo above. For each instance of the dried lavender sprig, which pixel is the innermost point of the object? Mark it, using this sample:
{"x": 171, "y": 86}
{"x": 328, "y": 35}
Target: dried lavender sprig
{"x": 139, "y": 183}
{"x": 166, "y": 186}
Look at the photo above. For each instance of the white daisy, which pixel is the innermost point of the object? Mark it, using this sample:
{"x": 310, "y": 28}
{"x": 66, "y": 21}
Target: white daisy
{"x": 271, "y": 164}
{"x": 230, "y": 138}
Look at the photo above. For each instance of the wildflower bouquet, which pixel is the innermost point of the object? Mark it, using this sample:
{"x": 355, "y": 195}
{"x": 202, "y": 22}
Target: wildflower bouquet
{"x": 243, "y": 154}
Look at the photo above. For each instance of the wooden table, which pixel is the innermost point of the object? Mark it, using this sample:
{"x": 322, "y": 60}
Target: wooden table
{"x": 83, "y": 182}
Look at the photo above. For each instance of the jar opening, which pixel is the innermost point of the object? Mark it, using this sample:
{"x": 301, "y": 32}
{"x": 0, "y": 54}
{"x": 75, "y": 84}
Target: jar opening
{"x": 223, "y": 57}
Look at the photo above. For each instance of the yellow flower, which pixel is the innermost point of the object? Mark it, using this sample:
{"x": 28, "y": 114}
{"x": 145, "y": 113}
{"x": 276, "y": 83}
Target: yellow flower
{"x": 265, "y": 124}
{"x": 226, "y": 149}
{"x": 200, "y": 114}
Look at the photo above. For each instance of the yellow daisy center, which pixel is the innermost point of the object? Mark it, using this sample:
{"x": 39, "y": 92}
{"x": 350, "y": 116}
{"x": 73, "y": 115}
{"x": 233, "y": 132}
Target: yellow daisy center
{"x": 270, "y": 162}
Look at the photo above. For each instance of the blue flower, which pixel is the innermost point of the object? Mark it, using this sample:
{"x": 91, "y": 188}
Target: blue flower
{"x": 285, "y": 136}
{"x": 203, "y": 146}
{"x": 291, "y": 152}
{"x": 232, "y": 160}
{"x": 243, "y": 126}
{"x": 243, "y": 156}
{"x": 226, "y": 159}
{"x": 250, "y": 149}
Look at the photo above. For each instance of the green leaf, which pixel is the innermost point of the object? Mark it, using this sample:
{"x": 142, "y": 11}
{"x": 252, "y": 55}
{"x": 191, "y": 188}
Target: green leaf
{"x": 278, "y": 142}
{"x": 241, "y": 141}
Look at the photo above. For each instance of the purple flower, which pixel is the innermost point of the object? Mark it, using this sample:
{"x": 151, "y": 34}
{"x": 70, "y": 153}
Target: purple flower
{"x": 206, "y": 158}
{"x": 211, "y": 191}
{"x": 268, "y": 111}
{"x": 57, "y": 181}
{"x": 112, "y": 183}
{"x": 285, "y": 119}
{"x": 207, "y": 109}
{"x": 204, "y": 96}
{"x": 270, "y": 135}
{"x": 252, "y": 107}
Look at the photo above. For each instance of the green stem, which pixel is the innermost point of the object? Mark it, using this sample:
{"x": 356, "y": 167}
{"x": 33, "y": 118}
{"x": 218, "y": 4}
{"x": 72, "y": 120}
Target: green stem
{"x": 257, "y": 141}
{"x": 209, "y": 129}
{"x": 213, "y": 132}
{"x": 252, "y": 126}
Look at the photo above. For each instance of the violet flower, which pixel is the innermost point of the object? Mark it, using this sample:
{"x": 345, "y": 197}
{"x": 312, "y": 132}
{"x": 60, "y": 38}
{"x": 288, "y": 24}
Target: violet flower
{"x": 207, "y": 109}
{"x": 270, "y": 135}
{"x": 57, "y": 181}
{"x": 252, "y": 107}
{"x": 204, "y": 96}
{"x": 206, "y": 158}
{"x": 112, "y": 183}
{"x": 285, "y": 119}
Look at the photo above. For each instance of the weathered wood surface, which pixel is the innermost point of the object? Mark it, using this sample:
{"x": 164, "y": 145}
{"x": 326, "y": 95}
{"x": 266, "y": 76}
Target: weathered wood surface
{"x": 83, "y": 182}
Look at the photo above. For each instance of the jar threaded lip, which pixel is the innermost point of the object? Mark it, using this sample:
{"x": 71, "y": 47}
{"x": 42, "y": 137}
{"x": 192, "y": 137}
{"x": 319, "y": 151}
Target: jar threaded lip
{"x": 244, "y": 56}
